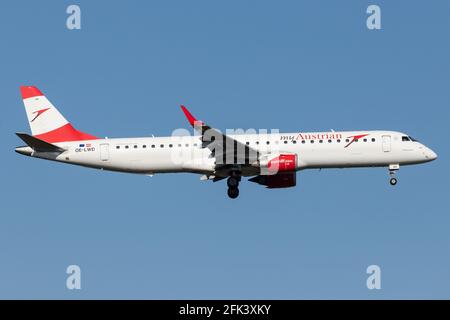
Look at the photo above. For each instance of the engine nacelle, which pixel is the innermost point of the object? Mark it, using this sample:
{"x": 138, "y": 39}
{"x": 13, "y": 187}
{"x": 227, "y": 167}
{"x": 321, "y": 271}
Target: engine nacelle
{"x": 278, "y": 164}
{"x": 280, "y": 180}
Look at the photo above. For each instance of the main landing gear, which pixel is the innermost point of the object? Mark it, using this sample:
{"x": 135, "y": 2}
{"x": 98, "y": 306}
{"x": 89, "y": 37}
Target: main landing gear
{"x": 393, "y": 168}
{"x": 233, "y": 193}
{"x": 233, "y": 185}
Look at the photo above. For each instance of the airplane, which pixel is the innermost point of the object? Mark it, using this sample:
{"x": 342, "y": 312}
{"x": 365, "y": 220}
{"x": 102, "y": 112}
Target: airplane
{"x": 269, "y": 159}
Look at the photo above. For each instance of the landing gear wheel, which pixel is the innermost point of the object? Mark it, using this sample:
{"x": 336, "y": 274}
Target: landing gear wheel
{"x": 393, "y": 181}
{"x": 393, "y": 168}
{"x": 232, "y": 182}
{"x": 233, "y": 193}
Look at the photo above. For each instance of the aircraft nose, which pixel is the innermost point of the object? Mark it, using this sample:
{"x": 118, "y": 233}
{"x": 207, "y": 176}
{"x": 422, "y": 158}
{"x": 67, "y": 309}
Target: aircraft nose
{"x": 431, "y": 155}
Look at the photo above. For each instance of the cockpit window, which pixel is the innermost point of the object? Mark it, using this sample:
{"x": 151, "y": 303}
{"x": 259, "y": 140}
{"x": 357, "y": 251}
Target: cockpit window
{"x": 406, "y": 138}
{"x": 412, "y": 139}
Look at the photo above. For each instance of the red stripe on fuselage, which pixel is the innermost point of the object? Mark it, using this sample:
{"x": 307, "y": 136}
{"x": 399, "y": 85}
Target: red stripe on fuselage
{"x": 65, "y": 133}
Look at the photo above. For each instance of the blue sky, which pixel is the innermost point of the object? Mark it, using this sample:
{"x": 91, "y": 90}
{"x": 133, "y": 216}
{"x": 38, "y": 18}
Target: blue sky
{"x": 292, "y": 65}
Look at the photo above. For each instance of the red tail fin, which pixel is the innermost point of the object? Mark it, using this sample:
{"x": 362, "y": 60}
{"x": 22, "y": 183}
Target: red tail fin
{"x": 46, "y": 122}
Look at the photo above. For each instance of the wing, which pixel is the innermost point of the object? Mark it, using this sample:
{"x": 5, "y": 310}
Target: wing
{"x": 228, "y": 151}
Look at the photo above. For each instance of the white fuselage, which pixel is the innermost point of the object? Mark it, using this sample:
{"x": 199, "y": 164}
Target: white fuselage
{"x": 185, "y": 154}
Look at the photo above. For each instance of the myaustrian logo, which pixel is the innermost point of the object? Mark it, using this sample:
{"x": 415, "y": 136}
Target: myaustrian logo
{"x": 324, "y": 137}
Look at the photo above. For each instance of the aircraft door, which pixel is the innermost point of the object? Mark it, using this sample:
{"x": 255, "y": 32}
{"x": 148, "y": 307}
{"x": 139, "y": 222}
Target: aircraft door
{"x": 104, "y": 152}
{"x": 386, "y": 143}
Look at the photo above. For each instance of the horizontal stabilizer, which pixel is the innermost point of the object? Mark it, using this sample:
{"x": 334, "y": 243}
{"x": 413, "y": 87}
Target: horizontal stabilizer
{"x": 39, "y": 145}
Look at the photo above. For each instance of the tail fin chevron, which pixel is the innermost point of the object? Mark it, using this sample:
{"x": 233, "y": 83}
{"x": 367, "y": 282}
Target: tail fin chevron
{"x": 46, "y": 122}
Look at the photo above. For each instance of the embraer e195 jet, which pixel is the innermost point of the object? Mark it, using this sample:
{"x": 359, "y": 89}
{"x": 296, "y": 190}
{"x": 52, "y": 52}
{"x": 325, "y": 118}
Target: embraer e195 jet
{"x": 270, "y": 159}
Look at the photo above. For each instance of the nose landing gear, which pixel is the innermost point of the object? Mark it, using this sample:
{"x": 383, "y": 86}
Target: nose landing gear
{"x": 393, "y": 181}
{"x": 393, "y": 168}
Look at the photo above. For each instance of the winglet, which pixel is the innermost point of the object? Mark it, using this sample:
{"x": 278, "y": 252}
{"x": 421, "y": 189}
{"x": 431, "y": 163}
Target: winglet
{"x": 192, "y": 120}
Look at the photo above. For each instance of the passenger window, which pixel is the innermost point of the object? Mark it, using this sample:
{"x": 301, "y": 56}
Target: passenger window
{"x": 312, "y": 141}
{"x": 365, "y": 140}
{"x": 162, "y": 146}
{"x": 247, "y": 143}
{"x": 144, "y": 146}
{"x": 320, "y": 141}
{"x": 170, "y": 145}
{"x": 126, "y": 147}
{"x": 346, "y": 140}
{"x": 329, "y": 141}
{"x": 303, "y": 141}
{"x": 135, "y": 146}
{"x": 153, "y": 145}
{"x": 373, "y": 139}
{"x": 267, "y": 142}
{"x": 338, "y": 140}
{"x": 117, "y": 147}
{"x": 285, "y": 142}
{"x": 187, "y": 144}
{"x": 294, "y": 141}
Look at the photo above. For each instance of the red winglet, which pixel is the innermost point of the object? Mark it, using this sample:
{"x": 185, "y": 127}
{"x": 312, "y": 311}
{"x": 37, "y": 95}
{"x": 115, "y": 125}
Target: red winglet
{"x": 190, "y": 117}
{"x": 30, "y": 92}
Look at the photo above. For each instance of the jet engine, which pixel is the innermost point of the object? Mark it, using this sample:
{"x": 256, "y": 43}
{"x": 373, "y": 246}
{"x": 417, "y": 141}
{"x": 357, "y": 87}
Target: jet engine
{"x": 272, "y": 165}
{"x": 277, "y": 171}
